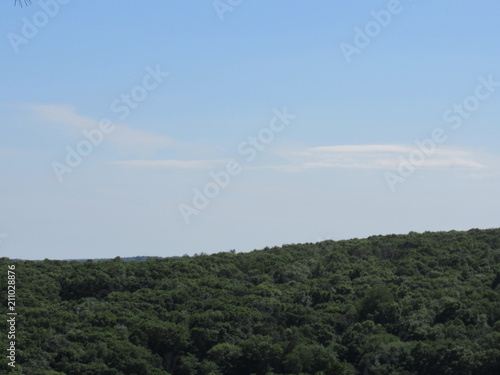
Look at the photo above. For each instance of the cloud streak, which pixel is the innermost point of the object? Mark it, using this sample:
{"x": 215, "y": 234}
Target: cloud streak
{"x": 122, "y": 136}
{"x": 175, "y": 164}
{"x": 370, "y": 157}
{"x": 334, "y": 157}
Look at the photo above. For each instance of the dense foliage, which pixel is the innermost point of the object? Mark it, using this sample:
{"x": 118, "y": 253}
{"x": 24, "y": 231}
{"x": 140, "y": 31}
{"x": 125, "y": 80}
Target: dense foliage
{"x": 399, "y": 304}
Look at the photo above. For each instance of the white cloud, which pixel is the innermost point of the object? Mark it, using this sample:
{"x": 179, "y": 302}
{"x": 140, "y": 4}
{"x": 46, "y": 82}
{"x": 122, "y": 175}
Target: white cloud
{"x": 7, "y": 154}
{"x": 345, "y": 156}
{"x": 122, "y": 135}
{"x": 61, "y": 114}
{"x": 482, "y": 175}
{"x": 179, "y": 164}
{"x": 371, "y": 157}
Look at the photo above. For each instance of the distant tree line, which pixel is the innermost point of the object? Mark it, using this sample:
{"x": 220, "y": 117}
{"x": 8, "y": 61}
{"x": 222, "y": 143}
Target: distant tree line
{"x": 411, "y": 304}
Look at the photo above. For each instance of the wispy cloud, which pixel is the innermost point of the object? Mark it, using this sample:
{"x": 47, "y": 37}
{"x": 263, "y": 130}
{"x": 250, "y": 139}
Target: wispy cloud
{"x": 345, "y": 156}
{"x": 8, "y": 154}
{"x": 122, "y": 135}
{"x": 62, "y": 115}
{"x": 482, "y": 176}
{"x": 178, "y": 164}
{"x": 370, "y": 157}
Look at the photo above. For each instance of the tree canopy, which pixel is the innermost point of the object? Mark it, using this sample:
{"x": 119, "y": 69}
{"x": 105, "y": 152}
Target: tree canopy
{"x": 425, "y": 303}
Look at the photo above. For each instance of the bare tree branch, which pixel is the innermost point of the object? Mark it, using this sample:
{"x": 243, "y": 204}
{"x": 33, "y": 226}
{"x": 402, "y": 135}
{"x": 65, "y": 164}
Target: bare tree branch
{"x": 26, "y": 2}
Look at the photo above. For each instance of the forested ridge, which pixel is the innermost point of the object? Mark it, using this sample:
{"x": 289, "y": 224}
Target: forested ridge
{"x": 422, "y": 303}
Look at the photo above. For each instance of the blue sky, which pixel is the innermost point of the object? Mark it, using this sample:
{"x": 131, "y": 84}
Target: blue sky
{"x": 318, "y": 120}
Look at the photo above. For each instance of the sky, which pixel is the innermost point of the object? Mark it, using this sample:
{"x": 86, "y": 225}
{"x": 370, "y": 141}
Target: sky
{"x": 165, "y": 128}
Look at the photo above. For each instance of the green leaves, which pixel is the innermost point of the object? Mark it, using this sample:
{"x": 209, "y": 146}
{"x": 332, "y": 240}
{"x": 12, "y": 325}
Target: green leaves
{"x": 417, "y": 304}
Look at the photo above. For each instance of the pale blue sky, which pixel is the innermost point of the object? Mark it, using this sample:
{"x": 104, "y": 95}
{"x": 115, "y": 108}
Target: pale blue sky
{"x": 335, "y": 169}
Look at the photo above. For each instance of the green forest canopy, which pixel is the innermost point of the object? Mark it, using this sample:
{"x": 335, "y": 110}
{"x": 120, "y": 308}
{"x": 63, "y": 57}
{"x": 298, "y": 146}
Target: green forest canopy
{"x": 398, "y": 304}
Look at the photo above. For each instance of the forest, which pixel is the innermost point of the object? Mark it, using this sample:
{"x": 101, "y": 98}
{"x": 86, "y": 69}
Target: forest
{"x": 420, "y": 303}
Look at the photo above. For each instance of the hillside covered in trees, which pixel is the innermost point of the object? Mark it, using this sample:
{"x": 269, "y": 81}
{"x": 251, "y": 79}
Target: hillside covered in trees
{"x": 398, "y": 304}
